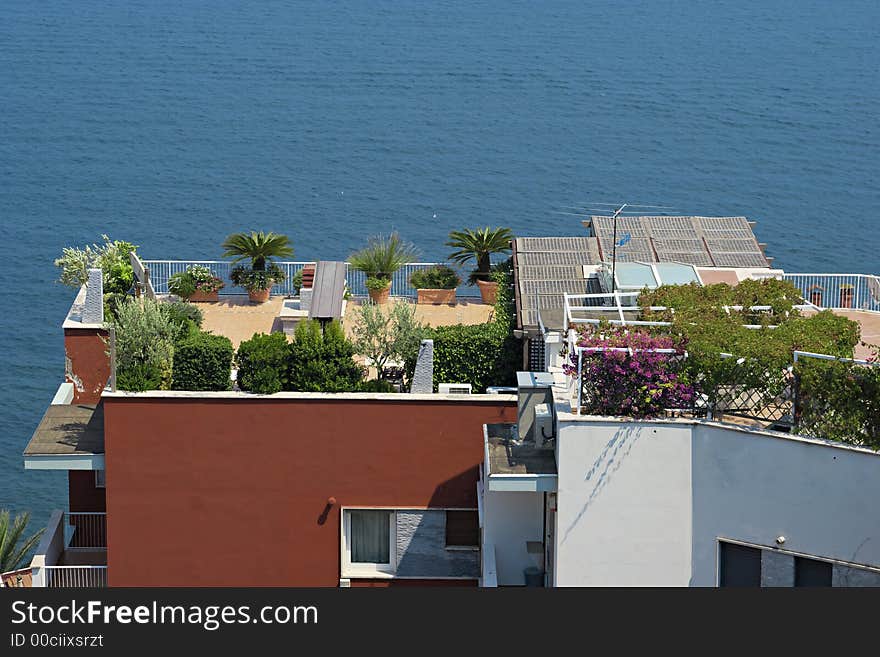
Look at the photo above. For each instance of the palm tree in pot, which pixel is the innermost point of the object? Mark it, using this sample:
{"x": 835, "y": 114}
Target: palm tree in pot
{"x": 263, "y": 273}
{"x": 478, "y": 246}
{"x": 379, "y": 260}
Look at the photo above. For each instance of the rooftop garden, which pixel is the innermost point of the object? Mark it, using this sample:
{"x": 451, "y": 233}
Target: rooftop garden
{"x": 162, "y": 345}
{"x": 730, "y": 351}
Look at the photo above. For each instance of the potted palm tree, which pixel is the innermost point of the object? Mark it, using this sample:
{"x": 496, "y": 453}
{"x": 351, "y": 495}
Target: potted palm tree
{"x": 478, "y": 245}
{"x": 260, "y": 247}
{"x": 379, "y": 260}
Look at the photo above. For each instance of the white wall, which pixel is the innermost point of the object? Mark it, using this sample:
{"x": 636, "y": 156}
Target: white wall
{"x": 644, "y": 503}
{"x": 624, "y": 504}
{"x": 754, "y": 487}
{"x": 510, "y": 519}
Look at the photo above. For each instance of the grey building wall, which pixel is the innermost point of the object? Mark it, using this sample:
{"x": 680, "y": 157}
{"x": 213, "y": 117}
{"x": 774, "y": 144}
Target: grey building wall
{"x": 847, "y": 576}
{"x": 421, "y": 548}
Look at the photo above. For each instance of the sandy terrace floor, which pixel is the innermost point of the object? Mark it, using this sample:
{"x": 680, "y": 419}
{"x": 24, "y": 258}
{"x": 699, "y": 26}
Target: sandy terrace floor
{"x": 238, "y": 319}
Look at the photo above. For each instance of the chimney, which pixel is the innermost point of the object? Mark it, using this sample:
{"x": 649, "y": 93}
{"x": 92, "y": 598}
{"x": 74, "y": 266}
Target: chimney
{"x": 423, "y": 378}
{"x": 93, "y": 307}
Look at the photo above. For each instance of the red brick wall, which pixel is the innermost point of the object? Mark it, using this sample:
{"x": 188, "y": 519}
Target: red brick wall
{"x": 205, "y": 492}
{"x": 88, "y": 364}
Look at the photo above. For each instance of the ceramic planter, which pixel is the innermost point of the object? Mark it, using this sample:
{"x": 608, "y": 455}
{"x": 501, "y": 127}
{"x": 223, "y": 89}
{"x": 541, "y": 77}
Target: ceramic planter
{"x": 259, "y": 296}
{"x": 846, "y": 297}
{"x": 488, "y": 291}
{"x": 380, "y": 297}
{"x": 435, "y": 297}
{"x": 201, "y": 296}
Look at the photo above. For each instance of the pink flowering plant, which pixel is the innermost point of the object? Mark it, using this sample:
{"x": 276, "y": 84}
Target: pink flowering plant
{"x": 639, "y": 382}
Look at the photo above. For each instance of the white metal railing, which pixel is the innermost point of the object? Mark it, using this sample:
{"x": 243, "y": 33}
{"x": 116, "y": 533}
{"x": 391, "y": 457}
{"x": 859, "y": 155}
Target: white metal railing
{"x": 162, "y": 270}
{"x": 57, "y": 577}
{"x": 839, "y": 291}
{"x": 85, "y": 531}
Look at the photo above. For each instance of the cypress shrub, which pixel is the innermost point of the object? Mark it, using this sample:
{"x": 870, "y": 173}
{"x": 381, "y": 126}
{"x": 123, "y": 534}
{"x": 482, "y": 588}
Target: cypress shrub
{"x": 322, "y": 361}
{"x": 202, "y": 361}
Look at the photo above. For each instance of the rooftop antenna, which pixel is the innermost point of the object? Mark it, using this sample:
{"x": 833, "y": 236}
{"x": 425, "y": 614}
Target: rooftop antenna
{"x": 614, "y": 249}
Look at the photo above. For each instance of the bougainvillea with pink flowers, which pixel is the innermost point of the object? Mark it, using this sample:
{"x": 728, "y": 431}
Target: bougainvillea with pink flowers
{"x": 639, "y": 382}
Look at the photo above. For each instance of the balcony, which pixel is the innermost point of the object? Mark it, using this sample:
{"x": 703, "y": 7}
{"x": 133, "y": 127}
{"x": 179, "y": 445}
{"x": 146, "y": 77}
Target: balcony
{"x": 73, "y": 552}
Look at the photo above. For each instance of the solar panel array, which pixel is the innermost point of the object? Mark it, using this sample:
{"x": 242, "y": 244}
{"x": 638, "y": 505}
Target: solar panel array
{"x": 700, "y": 241}
{"x": 546, "y": 269}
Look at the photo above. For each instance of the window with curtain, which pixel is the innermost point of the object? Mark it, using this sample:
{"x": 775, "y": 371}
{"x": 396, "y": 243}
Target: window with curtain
{"x": 370, "y": 537}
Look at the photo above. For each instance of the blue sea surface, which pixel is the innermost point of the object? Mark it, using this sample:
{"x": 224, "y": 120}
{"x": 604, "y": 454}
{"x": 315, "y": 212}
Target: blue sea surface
{"x": 174, "y": 123}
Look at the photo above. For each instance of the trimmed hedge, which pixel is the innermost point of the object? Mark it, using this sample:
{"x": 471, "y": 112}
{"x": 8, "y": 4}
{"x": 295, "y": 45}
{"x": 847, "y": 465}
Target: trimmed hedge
{"x": 262, "y": 363}
{"x": 202, "y": 361}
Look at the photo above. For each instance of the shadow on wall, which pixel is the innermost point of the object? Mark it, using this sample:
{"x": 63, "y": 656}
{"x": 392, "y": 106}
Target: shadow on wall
{"x": 608, "y": 462}
{"x": 458, "y": 492}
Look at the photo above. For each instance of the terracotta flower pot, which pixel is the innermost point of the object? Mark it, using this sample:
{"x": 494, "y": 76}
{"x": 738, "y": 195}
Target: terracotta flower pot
{"x": 488, "y": 291}
{"x": 259, "y": 296}
{"x": 380, "y": 297}
{"x": 846, "y": 297}
{"x": 199, "y": 295}
{"x": 436, "y": 296}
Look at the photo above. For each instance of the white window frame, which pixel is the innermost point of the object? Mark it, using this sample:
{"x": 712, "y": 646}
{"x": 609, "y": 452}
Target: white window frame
{"x": 100, "y": 481}
{"x": 368, "y": 570}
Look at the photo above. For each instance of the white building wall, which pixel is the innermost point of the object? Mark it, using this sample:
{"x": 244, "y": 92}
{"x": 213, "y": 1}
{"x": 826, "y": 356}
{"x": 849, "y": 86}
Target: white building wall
{"x": 511, "y": 519}
{"x": 645, "y": 503}
{"x": 755, "y": 487}
{"x": 624, "y": 504}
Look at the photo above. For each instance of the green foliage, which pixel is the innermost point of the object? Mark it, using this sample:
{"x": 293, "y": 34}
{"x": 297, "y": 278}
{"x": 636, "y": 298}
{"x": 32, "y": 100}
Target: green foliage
{"x": 202, "y": 361}
{"x": 838, "y": 401}
{"x": 439, "y": 277}
{"x": 387, "y": 333}
{"x": 376, "y": 385}
{"x": 181, "y": 313}
{"x": 140, "y": 377}
{"x": 478, "y": 245}
{"x": 697, "y": 302}
{"x": 254, "y": 280}
{"x": 296, "y": 281}
{"x": 111, "y": 257}
{"x": 322, "y": 361}
{"x": 383, "y": 256}
{"x": 145, "y": 335}
{"x": 377, "y": 284}
{"x": 14, "y": 547}
{"x": 182, "y": 284}
{"x": 111, "y": 303}
{"x": 481, "y": 354}
{"x": 262, "y": 363}
{"x": 260, "y": 247}
{"x": 196, "y": 278}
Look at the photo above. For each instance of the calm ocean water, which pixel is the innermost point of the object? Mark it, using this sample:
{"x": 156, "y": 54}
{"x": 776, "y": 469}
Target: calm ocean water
{"x": 172, "y": 124}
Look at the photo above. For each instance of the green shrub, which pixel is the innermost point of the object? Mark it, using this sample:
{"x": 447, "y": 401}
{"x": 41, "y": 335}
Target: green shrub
{"x": 838, "y": 401}
{"x": 296, "y": 281}
{"x": 322, "y": 361}
{"x": 139, "y": 377}
{"x": 145, "y": 338}
{"x": 376, "y": 385}
{"x": 439, "y": 277}
{"x": 202, "y": 361}
{"x": 111, "y": 303}
{"x": 196, "y": 278}
{"x": 181, "y": 312}
{"x": 262, "y": 363}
